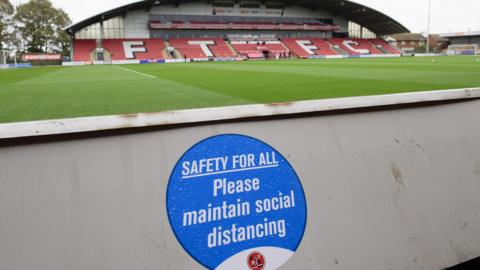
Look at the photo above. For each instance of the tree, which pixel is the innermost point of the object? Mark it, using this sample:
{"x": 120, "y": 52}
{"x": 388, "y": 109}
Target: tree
{"x": 6, "y": 11}
{"x": 40, "y": 25}
{"x": 62, "y": 40}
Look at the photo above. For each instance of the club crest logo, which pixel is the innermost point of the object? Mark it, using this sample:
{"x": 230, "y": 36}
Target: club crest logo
{"x": 256, "y": 261}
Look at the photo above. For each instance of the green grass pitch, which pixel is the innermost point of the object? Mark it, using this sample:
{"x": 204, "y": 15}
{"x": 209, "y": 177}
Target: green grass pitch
{"x": 65, "y": 92}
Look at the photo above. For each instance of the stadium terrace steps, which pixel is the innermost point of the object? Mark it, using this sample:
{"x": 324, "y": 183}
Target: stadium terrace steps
{"x": 365, "y": 44}
{"x": 221, "y": 49}
{"x": 339, "y": 50}
{"x": 165, "y": 52}
{"x": 231, "y": 48}
{"x": 155, "y": 49}
{"x": 285, "y": 46}
{"x": 295, "y": 47}
{"x": 383, "y": 50}
{"x": 385, "y": 45}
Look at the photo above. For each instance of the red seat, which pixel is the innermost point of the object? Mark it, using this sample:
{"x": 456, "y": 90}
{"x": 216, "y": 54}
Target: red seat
{"x": 82, "y": 49}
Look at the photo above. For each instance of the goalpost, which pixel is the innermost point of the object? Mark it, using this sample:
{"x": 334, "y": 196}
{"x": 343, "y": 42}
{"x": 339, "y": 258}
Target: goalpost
{"x": 466, "y": 49}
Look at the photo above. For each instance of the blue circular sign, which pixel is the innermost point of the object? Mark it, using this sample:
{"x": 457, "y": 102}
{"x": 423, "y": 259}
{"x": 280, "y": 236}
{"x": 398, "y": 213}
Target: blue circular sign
{"x": 234, "y": 202}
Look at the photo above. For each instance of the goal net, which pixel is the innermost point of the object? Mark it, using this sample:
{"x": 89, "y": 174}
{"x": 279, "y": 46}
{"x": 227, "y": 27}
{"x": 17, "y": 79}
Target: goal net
{"x": 6, "y": 58}
{"x": 467, "y": 49}
{"x": 3, "y": 57}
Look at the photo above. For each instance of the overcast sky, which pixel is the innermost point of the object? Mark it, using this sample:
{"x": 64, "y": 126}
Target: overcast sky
{"x": 447, "y": 16}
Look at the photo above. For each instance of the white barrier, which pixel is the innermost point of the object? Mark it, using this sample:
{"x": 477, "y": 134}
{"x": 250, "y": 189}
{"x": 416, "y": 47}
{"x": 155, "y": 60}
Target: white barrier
{"x": 200, "y": 59}
{"x": 390, "y": 187}
{"x": 77, "y": 63}
{"x": 380, "y": 56}
{"x": 333, "y": 57}
{"x": 125, "y": 62}
{"x": 175, "y": 61}
{"x": 225, "y": 59}
{"x": 429, "y": 54}
{"x": 65, "y": 126}
{"x": 354, "y": 56}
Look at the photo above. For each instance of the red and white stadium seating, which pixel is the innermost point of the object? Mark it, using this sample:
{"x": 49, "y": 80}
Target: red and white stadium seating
{"x": 305, "y": 47}
{"x": 153, "y": 49}
{"x": 138, "y": 49}
{"x": 201, "y": 47}
{"x": 365, "y": 44}
{"x": 385, "y": 45}
{"x": 355, "y": 46}
{"x": 83, "y": 48}
{"x": 255, "y": 49}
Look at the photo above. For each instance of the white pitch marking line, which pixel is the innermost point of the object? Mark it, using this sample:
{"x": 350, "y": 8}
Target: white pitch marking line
{"x": 136, "y": 72}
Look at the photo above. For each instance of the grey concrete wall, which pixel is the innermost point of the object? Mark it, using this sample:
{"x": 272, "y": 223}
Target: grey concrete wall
{"x": 136, "y": 24}
{"x": 391, "y": 189}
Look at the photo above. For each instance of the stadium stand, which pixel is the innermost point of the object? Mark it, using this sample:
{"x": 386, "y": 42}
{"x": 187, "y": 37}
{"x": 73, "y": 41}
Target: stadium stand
{"x": 145, "y": 49}
{"x": 83, "y": 49}
{"x": 198, "y": 30}
{"x": 201, "y": 47}
{"x": 305, "y": 47}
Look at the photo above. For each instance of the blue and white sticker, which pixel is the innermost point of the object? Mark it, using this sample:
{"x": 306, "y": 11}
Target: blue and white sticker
{"x": 234, "y": 202}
